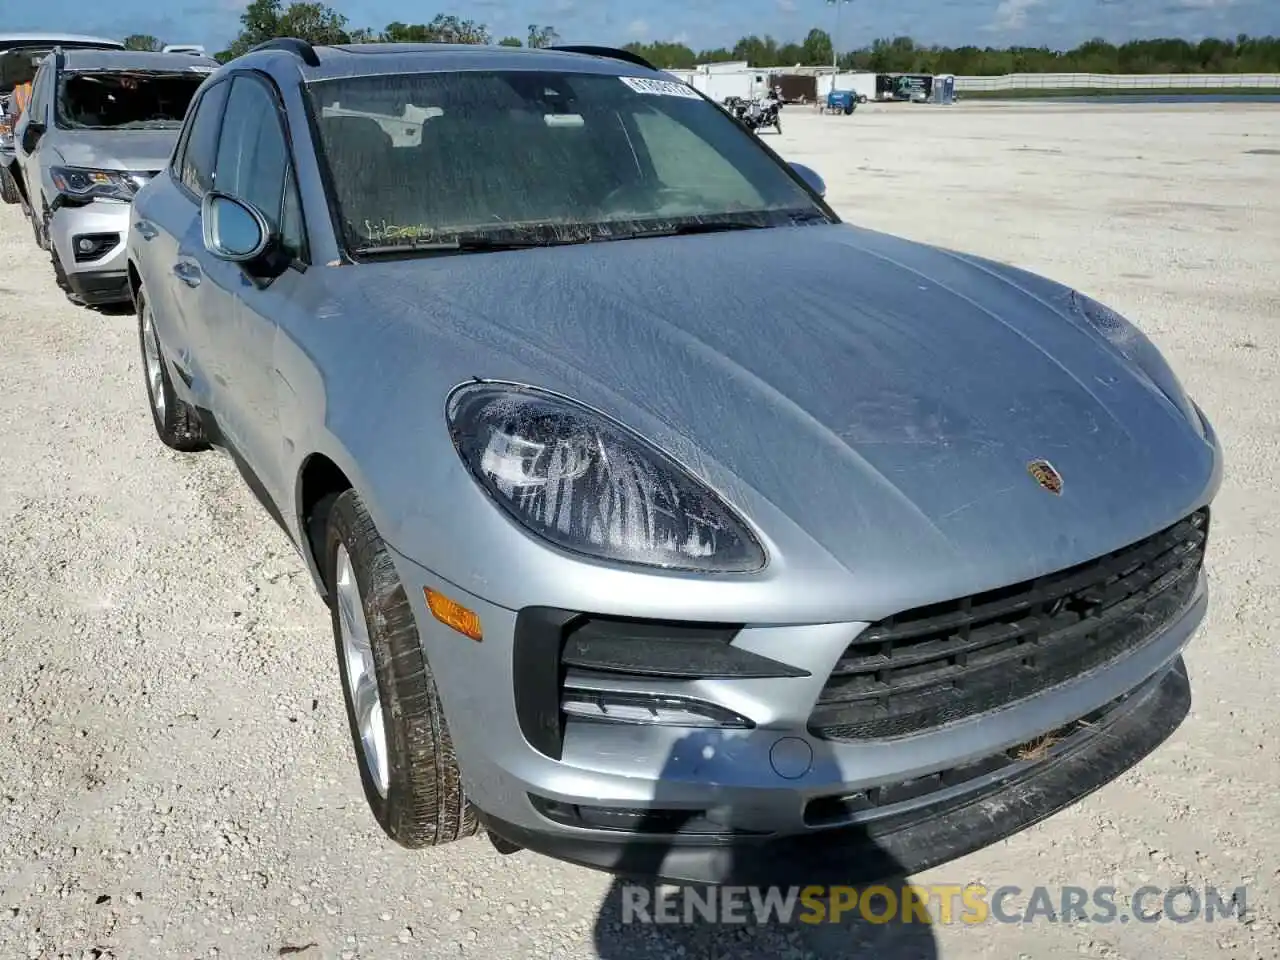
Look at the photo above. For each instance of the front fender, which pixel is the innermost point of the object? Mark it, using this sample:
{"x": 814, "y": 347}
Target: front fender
{"x": 308, "y": 431}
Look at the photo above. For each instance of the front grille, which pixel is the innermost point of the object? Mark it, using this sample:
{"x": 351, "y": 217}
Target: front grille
{"x": 938, "y": 664}
{"x": 978, "y": 775}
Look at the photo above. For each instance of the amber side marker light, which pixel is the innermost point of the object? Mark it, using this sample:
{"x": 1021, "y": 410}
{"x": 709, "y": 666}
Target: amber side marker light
{"x": 453, "y": 614}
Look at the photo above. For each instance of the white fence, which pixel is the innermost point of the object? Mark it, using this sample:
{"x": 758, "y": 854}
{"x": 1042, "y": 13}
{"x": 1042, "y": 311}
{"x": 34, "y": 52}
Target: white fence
{"x": 1120, "y": 81}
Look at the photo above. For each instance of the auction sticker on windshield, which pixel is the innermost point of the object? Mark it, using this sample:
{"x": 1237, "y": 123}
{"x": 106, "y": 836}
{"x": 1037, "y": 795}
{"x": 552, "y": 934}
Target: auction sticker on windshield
{"x": 661, "y": 88}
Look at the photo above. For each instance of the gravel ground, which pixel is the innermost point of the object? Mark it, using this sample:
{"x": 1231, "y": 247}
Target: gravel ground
{"x": 177, "y": 776}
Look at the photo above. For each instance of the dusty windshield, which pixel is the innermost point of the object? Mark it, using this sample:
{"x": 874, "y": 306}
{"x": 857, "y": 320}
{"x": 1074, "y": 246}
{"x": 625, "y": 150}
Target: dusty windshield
{"x": 123, "y": 101}
{"x": 540, "y": 157}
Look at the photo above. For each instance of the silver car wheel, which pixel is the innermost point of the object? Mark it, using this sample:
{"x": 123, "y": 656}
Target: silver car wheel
{"x": 362, "y": 678}
{"x": 151, "y": 353}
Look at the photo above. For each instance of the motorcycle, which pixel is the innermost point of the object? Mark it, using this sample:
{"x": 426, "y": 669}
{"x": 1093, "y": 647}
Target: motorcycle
{"x": 756, "y": 114}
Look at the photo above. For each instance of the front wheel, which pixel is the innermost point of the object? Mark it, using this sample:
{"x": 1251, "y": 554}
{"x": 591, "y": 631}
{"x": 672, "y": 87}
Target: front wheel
{"x": 39, "y": 229}
{"x": 60, "y": 275}
{"x": 177, "y": 423}
{"x": 8, "y": 187}
{"x": 402, "y": 744}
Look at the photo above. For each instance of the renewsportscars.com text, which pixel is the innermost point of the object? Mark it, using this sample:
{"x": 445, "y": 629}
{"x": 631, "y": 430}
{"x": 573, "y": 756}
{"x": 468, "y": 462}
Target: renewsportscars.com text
{"x": 935, "y": 903}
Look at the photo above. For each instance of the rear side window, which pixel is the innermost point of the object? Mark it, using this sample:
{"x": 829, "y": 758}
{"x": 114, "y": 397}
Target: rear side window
{"x": 201, "y": 146}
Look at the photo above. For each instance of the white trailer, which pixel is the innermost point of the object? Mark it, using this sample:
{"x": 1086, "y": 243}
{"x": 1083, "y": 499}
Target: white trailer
{"x": 721, "y": 84}
{"x": 862, "y": 83}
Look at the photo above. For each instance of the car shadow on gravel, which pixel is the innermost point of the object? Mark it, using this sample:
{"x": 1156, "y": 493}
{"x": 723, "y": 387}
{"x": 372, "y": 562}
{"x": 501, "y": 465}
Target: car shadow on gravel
{"x": 113, "y": 309}
{"x": 747, "y": 918}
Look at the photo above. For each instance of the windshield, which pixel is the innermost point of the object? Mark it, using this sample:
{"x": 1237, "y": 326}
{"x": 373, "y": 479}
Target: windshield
{"x": 122, "y": 101}
{"x": 538, "y": 157}
{"x": 19, "y": 59}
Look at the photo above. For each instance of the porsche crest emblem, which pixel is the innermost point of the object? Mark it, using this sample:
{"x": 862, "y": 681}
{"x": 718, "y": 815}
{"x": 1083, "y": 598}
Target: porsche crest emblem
{"x": 1043, "y": 472}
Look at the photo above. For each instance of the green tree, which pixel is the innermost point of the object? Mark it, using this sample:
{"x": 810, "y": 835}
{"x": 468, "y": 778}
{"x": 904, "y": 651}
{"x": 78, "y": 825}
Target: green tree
{"x": 444, "y": 28}
{"x": 263, "y": 20}
{"x": 314, "y": 22}
{"x": 142, "y": 41}
{"x": 816, "y": 49}
{"x": 666, "y": 56}
{"x": 510, "y": 42}
{"x": 756, "y": 51}
{"x": 542, "y": 36}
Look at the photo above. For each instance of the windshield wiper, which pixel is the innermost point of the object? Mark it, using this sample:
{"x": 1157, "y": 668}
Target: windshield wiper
{"x": 713, "y": 226}
{"x": 724, "y": 226}
{"x": 148, "y": 124}
{"x": 458, "y": 244}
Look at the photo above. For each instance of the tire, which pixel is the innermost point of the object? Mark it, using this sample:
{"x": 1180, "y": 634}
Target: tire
{"x": 60, "y": 275}
{"x": 417, "y": 798}
{"x": 38, "y": 228}
{"x": 177, "y": 423}
{"x": 8, "y": 189}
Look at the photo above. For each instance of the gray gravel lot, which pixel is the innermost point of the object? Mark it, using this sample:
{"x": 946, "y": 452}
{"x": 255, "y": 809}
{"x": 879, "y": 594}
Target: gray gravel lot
{"x": 177, "y": 775}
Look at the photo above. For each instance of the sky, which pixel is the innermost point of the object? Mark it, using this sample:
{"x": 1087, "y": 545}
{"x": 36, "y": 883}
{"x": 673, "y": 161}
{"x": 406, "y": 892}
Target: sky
{"x": 704, "y": 24}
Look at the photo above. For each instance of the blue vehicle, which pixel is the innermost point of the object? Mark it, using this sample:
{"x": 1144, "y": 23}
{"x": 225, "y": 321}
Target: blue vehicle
{"x": 842, "y": 101}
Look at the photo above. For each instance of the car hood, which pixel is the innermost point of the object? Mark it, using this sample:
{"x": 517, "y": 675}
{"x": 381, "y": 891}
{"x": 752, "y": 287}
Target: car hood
{"x": 884, "y": 396}
{"x": 135, "y": 150}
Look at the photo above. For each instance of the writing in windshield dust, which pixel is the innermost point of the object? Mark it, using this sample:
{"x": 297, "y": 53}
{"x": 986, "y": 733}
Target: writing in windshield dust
{"x": 661, "y": 88}
{"x": 381, "y": 231}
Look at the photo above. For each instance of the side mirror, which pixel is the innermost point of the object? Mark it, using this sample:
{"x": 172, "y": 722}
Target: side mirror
{"x": 31, "y": 136}
{"x": 233, "y": 230}
{"x": 810, "y": 176}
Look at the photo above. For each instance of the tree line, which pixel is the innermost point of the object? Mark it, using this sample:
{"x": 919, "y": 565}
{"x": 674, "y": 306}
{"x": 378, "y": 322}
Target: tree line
{"x": 1244, "y": 54}
{"x": 321, "y": 24}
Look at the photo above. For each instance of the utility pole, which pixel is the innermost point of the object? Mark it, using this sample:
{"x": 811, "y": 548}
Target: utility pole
{"x": 835, "y": 41}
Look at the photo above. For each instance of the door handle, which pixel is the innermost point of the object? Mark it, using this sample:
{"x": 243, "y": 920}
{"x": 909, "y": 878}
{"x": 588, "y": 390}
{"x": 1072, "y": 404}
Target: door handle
{"x": 146, "y": 230}
{"x": 187, "y": 272}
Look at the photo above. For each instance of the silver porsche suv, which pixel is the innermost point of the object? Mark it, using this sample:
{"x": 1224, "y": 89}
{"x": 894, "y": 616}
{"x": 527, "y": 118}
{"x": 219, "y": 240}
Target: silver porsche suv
{"x": 669, "y": 524}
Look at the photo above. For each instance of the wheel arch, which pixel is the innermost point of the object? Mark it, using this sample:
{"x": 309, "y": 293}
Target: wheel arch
{"x": 319, "y": 477}
{"x": 135, "y": 281}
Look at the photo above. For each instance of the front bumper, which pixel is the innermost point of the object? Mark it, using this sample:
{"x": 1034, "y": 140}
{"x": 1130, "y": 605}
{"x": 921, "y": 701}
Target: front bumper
{"x": 100, "y": 275}
{"x": 896, "y": 847}
{"x": 697, "y": 804}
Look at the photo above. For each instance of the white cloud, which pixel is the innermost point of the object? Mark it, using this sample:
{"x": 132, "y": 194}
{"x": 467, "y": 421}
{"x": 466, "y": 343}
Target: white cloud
{"x": 638, "y": 29}
{"x": 1011, "y": 15}
{"x": 787, "y": 6}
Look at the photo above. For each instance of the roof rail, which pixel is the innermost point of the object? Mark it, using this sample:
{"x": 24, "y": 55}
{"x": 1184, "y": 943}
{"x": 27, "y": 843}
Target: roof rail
{"x": 611, "y": 53}
{"x": 299, "y": 48}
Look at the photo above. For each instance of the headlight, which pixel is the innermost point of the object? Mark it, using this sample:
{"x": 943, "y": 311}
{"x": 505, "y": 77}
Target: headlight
{"x": 1138, "y": 350}
{"x": 589, "y": 485}
{"x": 84, "y": 184}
